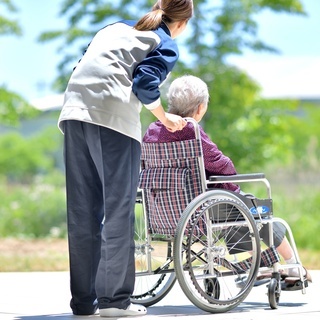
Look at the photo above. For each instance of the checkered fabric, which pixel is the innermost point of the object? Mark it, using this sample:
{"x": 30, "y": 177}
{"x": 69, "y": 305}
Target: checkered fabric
{"x": 269, "y": 257}
{"x": 170, "y": 178}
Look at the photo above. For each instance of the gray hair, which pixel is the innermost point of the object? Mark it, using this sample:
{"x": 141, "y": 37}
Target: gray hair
{"x": 185, "y": 95}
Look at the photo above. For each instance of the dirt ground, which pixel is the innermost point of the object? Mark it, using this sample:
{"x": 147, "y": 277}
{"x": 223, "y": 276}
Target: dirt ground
{"x": 33, "y": 255}
{"x": 19, "y": 255}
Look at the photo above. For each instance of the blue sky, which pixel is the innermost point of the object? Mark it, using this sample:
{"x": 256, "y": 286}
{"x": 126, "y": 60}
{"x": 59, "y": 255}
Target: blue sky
{"x": 28, "y": 67}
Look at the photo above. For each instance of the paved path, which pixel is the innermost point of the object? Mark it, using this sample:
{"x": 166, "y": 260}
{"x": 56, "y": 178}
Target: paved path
{"x": 45, "y": 295}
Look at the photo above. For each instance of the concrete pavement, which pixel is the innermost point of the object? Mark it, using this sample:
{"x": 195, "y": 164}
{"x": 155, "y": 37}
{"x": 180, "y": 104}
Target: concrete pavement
{"x": 45, "y": 296}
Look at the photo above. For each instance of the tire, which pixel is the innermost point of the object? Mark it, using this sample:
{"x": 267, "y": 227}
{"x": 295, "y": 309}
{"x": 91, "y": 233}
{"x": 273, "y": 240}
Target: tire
{"x": 150, "y": 289}
{"x": 274, "y": 293}
{"x": 202, "y": 251}
{"x": 155, "y": 275}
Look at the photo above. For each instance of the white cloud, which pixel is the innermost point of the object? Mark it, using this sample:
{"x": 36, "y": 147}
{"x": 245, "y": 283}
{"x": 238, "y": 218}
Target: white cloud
{"x": 281, "y": 77}
{"x": 50, "y": 102}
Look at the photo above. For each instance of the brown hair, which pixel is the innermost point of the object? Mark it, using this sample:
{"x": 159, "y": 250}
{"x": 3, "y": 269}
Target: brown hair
{"x": 167, "y": 11}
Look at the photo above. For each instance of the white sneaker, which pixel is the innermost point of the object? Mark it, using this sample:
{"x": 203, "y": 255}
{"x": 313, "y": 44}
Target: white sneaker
{"x": 132, "y": 310}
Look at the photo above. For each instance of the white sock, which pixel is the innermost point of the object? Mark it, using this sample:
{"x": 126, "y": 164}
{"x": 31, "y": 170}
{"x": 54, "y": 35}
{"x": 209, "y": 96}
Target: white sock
{"x": 292, "y": 272}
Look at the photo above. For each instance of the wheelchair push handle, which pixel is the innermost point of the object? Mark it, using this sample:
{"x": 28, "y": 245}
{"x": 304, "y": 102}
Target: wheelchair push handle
{"x": 195, "y": 125}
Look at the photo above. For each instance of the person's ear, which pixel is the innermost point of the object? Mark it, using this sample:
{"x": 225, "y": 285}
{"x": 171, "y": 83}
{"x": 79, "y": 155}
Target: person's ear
{"x": 200, "y": 108}
{"x": 182, "y": 23}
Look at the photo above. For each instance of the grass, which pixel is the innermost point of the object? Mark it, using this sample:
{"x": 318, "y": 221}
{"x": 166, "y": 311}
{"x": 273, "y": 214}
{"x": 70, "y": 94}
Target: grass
{"x": 26, "y": 255}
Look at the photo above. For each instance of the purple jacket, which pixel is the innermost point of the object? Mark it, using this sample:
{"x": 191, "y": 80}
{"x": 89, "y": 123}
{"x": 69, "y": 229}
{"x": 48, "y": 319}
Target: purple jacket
{"x": 215, "y": 162}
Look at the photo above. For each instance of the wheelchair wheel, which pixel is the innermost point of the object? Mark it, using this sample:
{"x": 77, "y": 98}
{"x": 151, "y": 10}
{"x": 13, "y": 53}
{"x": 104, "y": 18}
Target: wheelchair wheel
{"x": 274, "y": 293}
{"x": 153, "y": 262}
{"x": 152, "y": 285}
{"x": 216, "y": 268}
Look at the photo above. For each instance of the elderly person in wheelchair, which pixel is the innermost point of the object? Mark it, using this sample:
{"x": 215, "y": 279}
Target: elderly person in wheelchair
{"x": 188, "y": 97}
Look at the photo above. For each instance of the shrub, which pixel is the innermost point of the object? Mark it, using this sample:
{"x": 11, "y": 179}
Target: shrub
{"x": 34, "y": 210}
{"x": 24, "y": 157}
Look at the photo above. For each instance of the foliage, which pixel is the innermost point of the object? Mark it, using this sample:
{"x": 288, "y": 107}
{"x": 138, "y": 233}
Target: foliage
{"x": 306, "y": 132}
{"x": 296, "y": 196}
{"x": 32, "y": 187}
{"x": 217, "y": 30}
{"x": 14, "y": 108}
{"x": 25, "y": 157}
{"x": 227, "y": 27}
{"x": 8, "y": 26}
{"x": 264, "y": 130}
{"x": 33, "y": 210}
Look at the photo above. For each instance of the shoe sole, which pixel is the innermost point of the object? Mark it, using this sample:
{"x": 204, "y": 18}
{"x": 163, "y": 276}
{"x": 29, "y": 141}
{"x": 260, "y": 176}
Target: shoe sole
{"x": 115, "y": 312}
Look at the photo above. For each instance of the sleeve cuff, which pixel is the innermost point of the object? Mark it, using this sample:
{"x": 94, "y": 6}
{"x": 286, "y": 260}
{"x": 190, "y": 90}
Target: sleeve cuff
{"x": 153, "y": 105}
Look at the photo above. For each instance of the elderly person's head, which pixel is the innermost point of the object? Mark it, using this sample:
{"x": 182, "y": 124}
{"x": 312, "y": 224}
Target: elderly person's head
{"x": 188, "y": 96}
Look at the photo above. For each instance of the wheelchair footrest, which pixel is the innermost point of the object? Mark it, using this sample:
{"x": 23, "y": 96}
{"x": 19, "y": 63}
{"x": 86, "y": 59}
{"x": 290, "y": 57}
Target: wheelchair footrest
{"x": 293, "y": 284}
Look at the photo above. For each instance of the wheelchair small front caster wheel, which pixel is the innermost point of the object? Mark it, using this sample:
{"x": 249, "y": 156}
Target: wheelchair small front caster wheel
{"x": 212, "y": 288}
{"x": 274, "y": 291}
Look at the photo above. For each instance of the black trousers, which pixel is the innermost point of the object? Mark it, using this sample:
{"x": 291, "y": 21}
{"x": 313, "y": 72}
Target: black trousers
{"x": 102, "y": 172}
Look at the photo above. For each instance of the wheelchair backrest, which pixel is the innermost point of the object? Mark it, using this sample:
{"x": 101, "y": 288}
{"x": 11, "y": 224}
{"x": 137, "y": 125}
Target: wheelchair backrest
{"x": 172, "y": 175}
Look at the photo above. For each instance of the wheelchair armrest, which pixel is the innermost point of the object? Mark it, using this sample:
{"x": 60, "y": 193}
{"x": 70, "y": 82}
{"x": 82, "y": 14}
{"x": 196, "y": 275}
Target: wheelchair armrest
{"x": 237, "y": 177}
{"x": 246, "y": 177}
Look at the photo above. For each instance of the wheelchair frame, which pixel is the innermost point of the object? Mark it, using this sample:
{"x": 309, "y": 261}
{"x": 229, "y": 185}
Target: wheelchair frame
{"x": 215, "y": 273}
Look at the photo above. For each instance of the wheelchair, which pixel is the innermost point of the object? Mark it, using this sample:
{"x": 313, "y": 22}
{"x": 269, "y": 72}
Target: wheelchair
{"x": 187, "y": 230}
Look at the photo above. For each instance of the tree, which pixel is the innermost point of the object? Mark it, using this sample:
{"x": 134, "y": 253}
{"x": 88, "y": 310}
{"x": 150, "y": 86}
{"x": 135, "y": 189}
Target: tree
{"x": 27, "y": 157}
{"x": 220, "y": 28}
{"x": 9, "y": 26}
{"x": 12, "y": 106}
{"x": 229, "y": 26}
